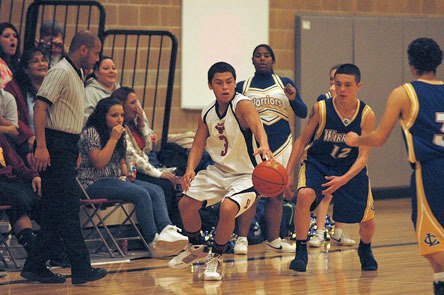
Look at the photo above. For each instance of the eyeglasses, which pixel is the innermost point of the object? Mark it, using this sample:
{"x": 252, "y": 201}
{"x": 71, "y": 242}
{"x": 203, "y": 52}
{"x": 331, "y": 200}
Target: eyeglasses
{"x": 54, "y": 45}
{"x": 35, "y": 61}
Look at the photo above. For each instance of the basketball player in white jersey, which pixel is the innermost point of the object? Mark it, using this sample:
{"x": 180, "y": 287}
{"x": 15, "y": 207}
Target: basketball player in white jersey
{"x": 225, "y": 130}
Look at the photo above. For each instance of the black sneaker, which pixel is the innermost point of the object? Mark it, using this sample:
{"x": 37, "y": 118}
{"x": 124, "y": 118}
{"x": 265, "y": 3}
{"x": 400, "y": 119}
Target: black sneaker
{"x": 44, "y": 276}
{"x": 93, "y": 275}
{"x": 368, "y": 262}
{"x": 61, "y": 260}
{"x": 299, "y": 263}
{"x": 438, "y": 288}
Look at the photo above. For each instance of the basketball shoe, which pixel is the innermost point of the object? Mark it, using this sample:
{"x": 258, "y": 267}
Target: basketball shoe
{"x": 241, "y": 246}
{"x": 438, "y": 288}
{"x": 299, "y": 263}
{"x": 368, "y": 262}
{"x": 191, "y": 254}
{"x": 280, "y": 246}
{"x": 341, "y": 240}
{"x": 214, "y": 268}
{"x": 318, "y": 239}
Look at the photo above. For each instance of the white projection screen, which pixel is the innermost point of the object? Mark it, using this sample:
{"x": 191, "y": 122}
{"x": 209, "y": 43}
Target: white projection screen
{"x": 215, "y": 31}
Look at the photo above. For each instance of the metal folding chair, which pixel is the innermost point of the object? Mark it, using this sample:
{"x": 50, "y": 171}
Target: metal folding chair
{"x": 3, "y": 242}
{"x": 94, "y": 210}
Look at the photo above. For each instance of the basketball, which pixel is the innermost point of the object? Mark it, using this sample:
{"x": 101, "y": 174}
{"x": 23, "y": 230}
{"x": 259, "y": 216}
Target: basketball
{"x": 270, "y": 178}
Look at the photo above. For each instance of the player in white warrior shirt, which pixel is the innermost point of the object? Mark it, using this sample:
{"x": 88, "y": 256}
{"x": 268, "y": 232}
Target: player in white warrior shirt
{"x": 225, "y": 130}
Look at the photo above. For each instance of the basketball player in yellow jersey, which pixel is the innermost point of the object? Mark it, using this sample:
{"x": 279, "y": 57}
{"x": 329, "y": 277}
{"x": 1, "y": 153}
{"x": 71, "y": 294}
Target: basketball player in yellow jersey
{"x": 420, "y": 107}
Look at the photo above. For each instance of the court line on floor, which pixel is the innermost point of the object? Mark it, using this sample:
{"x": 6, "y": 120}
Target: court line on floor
{"x": 15, "y": 282}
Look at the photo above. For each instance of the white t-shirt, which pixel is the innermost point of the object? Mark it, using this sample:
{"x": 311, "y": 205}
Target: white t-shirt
{"x": 8, "y": 107}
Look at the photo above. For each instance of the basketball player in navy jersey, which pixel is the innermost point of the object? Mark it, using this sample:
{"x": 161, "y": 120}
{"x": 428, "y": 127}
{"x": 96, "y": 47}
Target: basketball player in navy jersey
{"x": 275, "y": 99}
{"x": 420, "y": 107}
{"x": 225, "y": 131}
{"x": 333, "y": 168}
{"x": 339, "y": 237}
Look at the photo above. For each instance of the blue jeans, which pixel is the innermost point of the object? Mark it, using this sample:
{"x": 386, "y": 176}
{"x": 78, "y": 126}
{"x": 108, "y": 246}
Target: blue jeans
{"x": 148, "y": 199}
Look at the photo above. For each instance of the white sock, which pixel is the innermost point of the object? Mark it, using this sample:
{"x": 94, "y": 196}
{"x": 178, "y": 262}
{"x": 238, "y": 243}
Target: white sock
{"x": 338, "y": 233}
{"x": 438, "y": 277}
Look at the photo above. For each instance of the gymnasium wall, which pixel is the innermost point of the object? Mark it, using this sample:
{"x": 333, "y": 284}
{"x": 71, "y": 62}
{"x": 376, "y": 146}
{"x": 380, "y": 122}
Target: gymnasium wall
{"x": 166, "y": 15}
{"x": 378, "y": 45}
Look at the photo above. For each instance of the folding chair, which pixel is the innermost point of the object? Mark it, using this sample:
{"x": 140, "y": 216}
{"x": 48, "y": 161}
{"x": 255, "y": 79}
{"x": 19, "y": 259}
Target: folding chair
{"x": 3, "y": 208}
{"x": 94, "y": 211}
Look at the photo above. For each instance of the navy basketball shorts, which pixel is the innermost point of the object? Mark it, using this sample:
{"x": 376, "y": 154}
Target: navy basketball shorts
{"x": 353, "y": 202}
{"x": 427, "y": 189}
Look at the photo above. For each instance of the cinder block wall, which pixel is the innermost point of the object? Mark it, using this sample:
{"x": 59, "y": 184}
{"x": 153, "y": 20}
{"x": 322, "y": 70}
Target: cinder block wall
{"x": 166, "y": 15}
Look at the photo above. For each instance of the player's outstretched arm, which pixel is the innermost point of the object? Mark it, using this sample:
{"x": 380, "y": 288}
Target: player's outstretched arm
{"x": 195, "y": 153}
{"x": 398, "y": 103}
{"x": 249, "y": 118}
{"x": 299, "y": 146}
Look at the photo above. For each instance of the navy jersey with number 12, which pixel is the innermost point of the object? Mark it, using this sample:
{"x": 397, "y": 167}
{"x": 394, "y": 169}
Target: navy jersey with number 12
{"x": 327, "y": 145}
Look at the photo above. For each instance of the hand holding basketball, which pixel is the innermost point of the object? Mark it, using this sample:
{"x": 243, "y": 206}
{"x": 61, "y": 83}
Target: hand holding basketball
{"x": 270, "y": 178}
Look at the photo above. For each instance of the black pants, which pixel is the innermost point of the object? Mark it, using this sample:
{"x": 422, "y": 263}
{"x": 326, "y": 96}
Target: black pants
{"x": 61, "y": 206}
{"x": 20, "y": 196}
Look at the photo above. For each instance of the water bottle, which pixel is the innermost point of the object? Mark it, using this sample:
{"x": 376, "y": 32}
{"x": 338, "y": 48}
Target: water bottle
{"x": 134, "y": 169}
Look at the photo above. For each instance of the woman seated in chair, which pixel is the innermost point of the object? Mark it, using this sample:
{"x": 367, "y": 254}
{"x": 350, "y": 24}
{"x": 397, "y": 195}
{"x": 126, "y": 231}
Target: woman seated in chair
{"x": 139, "y": 144}
{"x": 24, "y": 87}
{"x": 104, "y": 174}
{"x": 100, "y": 83}
{"x": 20, "y": 187}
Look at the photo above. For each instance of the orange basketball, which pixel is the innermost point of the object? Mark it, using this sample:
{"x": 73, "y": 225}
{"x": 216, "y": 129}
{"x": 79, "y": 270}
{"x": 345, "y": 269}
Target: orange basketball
{"x": 270, "y": 178}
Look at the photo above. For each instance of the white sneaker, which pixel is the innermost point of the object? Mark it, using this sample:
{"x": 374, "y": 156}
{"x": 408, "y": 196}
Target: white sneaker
{"x": 158, "y": 251}
{"x": 280, "y": 246}
{"x": 317, "y": 240}
{"x": 191, "y": 254}
{"x": 214, "y": 268}
{"x": 154, "y": 251}
{"x": 241, "y": 246}
{"x": 171, "y": 241}
{"x": 344, "y": 240}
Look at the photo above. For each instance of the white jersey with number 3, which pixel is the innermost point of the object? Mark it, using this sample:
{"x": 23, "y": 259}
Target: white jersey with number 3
{"x": 230, "y": 147}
